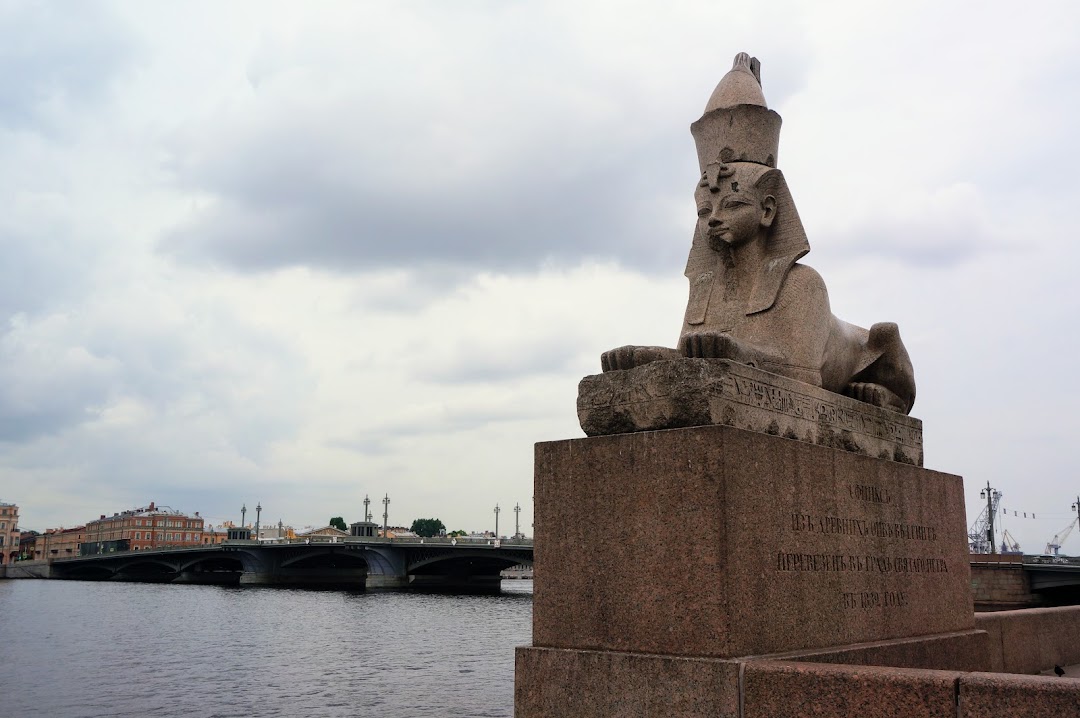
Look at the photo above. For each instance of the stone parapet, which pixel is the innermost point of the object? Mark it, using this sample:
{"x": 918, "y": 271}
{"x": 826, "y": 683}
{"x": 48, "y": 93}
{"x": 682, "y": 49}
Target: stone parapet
{"x": 797, "y": 690}
{"x": 1032, "y": 640}
{"x": 988, "y": 695}
{"x": 568, "y": 683}
{"x": 564, "y": 683}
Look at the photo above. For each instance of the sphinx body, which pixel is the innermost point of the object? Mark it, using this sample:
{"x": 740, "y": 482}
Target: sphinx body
{"x": 750, "y": 300}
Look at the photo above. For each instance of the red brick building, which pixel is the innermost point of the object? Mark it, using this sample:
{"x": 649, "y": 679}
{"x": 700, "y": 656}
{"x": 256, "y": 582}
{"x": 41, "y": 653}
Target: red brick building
{"x": 144, "y": 528}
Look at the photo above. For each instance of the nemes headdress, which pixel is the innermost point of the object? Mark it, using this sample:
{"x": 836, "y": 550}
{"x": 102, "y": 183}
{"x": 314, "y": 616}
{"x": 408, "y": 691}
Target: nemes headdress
{"x": 739, "y": 134}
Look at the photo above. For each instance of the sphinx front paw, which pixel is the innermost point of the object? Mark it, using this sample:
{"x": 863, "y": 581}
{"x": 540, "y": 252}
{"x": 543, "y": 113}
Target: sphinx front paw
{"x": 875, "y": 394}
{"x": 708, "y": 345}
{"x": 631, "y": 356}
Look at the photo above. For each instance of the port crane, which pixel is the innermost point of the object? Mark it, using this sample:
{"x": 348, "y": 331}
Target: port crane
{"x": 1054, "y": 545}
{"x": 1008, "y": 543}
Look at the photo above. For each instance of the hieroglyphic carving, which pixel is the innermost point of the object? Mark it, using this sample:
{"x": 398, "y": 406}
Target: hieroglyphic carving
{"x": 786, "y": 401}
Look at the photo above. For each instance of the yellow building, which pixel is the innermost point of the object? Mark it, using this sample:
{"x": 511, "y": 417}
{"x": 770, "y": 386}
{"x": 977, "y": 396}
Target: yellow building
{"x": 9, "y": 532}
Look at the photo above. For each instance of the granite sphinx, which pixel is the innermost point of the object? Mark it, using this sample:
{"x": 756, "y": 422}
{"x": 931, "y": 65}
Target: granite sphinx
{"x": 751, "y": 301}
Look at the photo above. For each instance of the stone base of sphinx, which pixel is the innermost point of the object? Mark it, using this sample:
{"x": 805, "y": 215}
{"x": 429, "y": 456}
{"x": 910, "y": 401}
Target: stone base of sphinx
{"x": 562, "y": 682}
{"x": 678, "y": 393}
{"x": 666, "y": 559}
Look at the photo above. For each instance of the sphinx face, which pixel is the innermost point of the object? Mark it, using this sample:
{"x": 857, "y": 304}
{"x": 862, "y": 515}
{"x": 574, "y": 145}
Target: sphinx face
{"x": 733, "y": 217}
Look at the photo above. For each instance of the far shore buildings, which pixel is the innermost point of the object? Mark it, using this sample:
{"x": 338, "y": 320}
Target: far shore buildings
{"x": 331, "y": 531}
{"x": 132, "y": 530}
{"x": 9, "y": 532}
{"x": 145, "y": 528}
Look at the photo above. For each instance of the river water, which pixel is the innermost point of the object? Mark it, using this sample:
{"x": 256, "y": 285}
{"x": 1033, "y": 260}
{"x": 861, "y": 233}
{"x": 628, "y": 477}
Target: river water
{"x": 74, "y": 649}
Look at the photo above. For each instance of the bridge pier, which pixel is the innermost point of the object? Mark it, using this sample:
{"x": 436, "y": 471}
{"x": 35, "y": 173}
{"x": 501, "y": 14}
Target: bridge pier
{"x": 131, "y": 577}
{"x": 29, "y": 569}
{"x": 452, "y": 583}
{"x": 385, "y": 583}
{"x": 354, "y": 578}
{"x": 209, "y": 578}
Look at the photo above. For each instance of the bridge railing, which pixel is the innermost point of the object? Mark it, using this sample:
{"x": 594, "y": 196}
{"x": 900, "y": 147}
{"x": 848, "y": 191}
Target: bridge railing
{"x": 319, "y": 540}
{"x": 1051, "y": 559}
{"x": 402, "y": 540}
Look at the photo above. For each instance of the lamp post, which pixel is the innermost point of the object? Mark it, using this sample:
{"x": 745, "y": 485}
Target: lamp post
{"x": 367, "y": 514}
{"x": 990, "y": 495}
{"x": 517, "y": 520}
{"x": 496, "y": 521}
{"x": 385, "y": 513}
{"x": 258, "y": 513}
{"x": 243, "y": 516}
{"x": 1076, "y": 508}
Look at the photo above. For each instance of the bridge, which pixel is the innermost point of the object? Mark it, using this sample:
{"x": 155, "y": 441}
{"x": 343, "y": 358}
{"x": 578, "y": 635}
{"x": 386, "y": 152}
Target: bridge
{"x": 1004, "y": 581}
{"x": 352, "y": 562}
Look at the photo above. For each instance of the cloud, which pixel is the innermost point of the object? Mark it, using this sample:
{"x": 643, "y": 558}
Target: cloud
{"x": 922, "y": 229}
{"x": 255, "y": 251}
{"x": 432, "y": 157}
{"x": 55, "y": 61}
{"x": 327, "y": 206}
{"x": 44, "y": 388}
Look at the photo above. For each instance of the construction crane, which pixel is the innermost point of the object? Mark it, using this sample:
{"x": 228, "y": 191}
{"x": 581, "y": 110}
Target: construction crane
{"x": 1009, "y": 544}
{"x": 1059, "y": 538}
{"x": 980, "y": 535}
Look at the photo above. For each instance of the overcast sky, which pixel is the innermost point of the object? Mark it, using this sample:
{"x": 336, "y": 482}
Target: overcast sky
{"x": 296, "y": 253}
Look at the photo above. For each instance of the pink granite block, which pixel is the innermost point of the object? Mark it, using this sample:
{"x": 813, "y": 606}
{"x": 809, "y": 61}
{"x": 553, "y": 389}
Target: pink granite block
{"x": 713, "y": 541}
{"x": 809, "y": 690}
{"x": 994, "y": 650}
{"x": 1033, "y": 639}
{"x": 994, "y": 695}
{"x": 959, "y": 651}
{"x": 552, "y": 683}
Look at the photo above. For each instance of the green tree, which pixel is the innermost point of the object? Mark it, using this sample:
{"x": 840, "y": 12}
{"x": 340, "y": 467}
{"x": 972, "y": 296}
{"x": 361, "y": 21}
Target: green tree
{"x": 457, "y": 532}
{"x": 339, "y": 523}
{"x": 427, "y": 527}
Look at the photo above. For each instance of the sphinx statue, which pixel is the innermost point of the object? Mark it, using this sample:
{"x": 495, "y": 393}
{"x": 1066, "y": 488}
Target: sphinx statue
{"x": 751, "y": 301}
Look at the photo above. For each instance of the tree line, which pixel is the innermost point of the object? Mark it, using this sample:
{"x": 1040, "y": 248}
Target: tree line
{"x": 421, "y": 527}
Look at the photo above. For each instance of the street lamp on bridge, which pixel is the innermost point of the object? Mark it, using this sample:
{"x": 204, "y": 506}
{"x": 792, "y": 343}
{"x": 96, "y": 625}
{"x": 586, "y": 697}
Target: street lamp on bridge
{"x": 243, "y": 516}
{"x": 258, "y": 513}
{"x": 496, "y": 521}
{"x": 992, "y": 496}
{"x": 517, "y": 522}
{"x": 385, "y": 513}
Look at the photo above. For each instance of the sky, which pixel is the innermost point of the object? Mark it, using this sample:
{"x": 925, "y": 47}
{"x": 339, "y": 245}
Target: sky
{"x": 298, "y": 254}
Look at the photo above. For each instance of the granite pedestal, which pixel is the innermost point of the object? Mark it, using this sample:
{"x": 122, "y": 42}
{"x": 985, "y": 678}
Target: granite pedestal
{"x": 688, "y": 552}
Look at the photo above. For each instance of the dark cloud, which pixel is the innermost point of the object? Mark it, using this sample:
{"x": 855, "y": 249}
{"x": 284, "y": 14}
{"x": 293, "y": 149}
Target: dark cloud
{"x": 23, "y": 423}
{"x": 41, "y": 397}
{"x": 441, "y": 159}
{"x": 615, "y": 205}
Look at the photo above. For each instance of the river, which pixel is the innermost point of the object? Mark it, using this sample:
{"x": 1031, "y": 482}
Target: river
{"x": 74, "y": 649}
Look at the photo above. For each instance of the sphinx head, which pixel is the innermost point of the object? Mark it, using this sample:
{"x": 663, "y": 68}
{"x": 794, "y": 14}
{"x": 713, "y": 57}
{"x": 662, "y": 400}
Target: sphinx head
{"x": 734, "y": 203}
